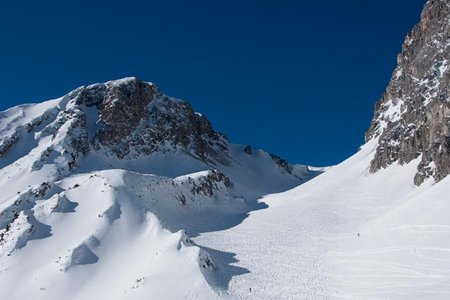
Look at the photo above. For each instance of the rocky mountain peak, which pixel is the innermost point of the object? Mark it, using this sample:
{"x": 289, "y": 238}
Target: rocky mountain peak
{"x": 136, "y": 118}
{"x": 122, "y": 105}
{"x": 125, "y": 118}
{"x": 412, "y": 119}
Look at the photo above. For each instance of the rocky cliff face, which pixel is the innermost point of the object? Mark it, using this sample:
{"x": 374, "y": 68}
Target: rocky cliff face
{"x": 412, "y": 119}
{"x": 135, "y": 115}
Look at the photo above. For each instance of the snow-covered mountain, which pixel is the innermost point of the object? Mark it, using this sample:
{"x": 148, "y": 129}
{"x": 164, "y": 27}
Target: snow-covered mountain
{"x": 117, "y": 191}
{"x": 102, "y": 188}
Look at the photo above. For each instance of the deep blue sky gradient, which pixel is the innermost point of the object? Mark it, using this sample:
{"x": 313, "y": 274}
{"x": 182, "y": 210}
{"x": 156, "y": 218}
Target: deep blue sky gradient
{"x": 296, "y": 78}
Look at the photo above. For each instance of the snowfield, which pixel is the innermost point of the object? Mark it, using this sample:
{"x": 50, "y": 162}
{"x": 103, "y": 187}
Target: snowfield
{"x": 345, "y": 234}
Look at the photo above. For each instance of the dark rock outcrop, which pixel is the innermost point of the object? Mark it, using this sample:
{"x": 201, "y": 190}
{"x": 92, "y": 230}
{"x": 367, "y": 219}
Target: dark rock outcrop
{"x": 7, "y": 143}
{"x": 281, "y": 163}
{"x": 248, "y": 149}
{"x": 412, "y": 119}
{"x": 136, "y": 118}
{"x": 207, "y": 185}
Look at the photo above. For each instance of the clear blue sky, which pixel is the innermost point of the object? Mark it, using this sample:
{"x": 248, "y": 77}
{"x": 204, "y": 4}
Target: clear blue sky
{"x": 297, "y": 78}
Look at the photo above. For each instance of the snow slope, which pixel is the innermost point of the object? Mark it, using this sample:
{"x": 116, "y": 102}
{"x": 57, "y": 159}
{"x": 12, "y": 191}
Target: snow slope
{"x": 89, "y": 210}
{"x": 108, "y": 246}
{"x": 346, "y": 234}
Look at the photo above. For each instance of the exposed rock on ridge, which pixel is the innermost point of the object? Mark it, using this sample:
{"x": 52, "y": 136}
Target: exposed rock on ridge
{"x": 412, "y": 119}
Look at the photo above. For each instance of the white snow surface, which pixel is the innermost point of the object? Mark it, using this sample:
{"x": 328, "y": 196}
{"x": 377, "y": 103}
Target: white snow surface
{"x": 345, "y": 234}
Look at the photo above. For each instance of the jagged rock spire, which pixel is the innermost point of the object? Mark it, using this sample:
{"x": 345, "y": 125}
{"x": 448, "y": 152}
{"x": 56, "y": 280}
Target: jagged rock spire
{"x": 412, "y": 119}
